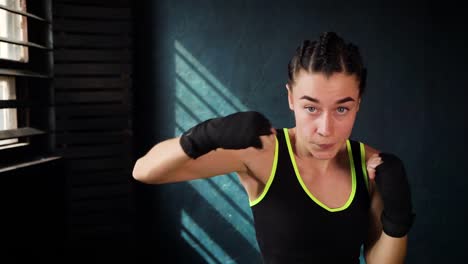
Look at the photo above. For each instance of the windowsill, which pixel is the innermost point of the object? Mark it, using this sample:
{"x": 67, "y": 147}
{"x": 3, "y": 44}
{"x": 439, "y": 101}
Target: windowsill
{"x": 28, "y": 163}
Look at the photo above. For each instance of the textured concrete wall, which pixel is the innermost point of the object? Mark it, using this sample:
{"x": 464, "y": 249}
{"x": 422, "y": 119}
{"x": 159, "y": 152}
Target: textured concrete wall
{"x": 209, "y": 58}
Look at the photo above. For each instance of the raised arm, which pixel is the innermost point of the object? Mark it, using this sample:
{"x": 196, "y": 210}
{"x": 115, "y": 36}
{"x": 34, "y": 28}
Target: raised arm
{"x": 210, "y": 148}
{"x": 381, "y": 248}
{"x": 167, "y": 162}
{"x": 391, "y": 212}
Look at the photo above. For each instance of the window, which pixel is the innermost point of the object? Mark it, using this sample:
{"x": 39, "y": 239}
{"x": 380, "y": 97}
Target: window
{"x": 26, "y": 111}
{"x": 8, "y": 117}
{"x": 13, "y": 27}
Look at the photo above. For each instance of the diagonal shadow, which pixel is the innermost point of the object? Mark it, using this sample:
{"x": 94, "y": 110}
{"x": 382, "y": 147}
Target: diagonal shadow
{"x": 229, "y": 200}
{"x": 181, "y": 129}
{"x": 195, "y": 94}
{"x": 187, "y": 110}
{"x": 235, "y": 181}
{"x": 221, "y": 232}
{"x": 207, "y": 80}
{"x": 222, "y": 226}
{"x": 202, "y": 250}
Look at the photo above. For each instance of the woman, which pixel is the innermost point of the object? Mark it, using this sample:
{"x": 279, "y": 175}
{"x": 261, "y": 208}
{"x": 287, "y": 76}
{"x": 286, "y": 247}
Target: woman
{"x": 316, "y": 195}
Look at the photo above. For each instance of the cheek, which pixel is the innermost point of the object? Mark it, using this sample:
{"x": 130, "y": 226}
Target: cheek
{"x": 302, "y": 118}
{"x": 345, "y": 126}
{"x": 305, "y": 123}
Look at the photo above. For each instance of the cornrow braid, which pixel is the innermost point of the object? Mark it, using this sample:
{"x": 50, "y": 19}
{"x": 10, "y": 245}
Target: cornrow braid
{"x": 354, "y": 64}
{"x": 302, "y": 58}
{"x": 307, "y": 50}
{"x": 329, "y": 54}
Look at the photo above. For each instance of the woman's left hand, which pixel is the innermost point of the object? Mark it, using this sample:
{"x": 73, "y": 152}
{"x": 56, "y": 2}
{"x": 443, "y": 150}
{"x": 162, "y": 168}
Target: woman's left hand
{"x": 372, "y": 163}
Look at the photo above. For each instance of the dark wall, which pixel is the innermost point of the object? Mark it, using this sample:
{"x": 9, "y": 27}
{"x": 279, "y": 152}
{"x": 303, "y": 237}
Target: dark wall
{"x": 34, "y": 215}
{"x": 441, "y": 182}
{"x": 92, "y": 80}
{"x": 412, "y": 107}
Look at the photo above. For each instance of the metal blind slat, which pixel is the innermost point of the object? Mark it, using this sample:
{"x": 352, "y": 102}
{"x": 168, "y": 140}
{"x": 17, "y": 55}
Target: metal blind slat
{"x": 22, "y": 73}
{"x": 24, "y": 43}
{"x": 26, "y": 14}
{"x": 20, "y": 132}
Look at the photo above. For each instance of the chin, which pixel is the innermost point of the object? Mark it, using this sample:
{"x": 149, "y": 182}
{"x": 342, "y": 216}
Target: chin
{"x": 324, "y": 155}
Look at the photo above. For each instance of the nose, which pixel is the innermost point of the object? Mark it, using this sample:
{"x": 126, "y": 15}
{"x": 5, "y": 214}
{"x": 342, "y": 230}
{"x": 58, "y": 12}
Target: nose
{"x": 325, "y": 125}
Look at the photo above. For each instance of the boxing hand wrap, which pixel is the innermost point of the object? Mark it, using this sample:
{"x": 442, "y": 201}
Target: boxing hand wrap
{"x": 397, "y": 216}
{"x": 236, "y": 131}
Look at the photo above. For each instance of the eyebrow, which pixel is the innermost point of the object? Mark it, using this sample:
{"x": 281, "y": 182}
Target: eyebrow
{"x": 344, "y": 100}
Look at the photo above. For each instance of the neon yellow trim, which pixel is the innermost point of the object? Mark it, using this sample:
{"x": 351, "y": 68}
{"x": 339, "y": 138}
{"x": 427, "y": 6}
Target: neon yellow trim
{"x": 364, "y": 167}
{"x": 298, "y": 175}
{"x": 270, "y": 179}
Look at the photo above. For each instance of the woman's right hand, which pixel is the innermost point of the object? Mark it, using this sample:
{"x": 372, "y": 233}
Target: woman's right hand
{"x": 235, "y": 131}
{"x": 190, "y": 157}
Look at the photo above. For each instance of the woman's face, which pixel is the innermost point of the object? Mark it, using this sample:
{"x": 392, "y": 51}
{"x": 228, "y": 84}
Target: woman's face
{"x": 325, "y": 110}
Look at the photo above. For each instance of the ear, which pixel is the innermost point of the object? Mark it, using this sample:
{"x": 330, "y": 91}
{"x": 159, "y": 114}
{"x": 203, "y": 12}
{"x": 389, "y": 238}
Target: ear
{"x": 290, "y": 97}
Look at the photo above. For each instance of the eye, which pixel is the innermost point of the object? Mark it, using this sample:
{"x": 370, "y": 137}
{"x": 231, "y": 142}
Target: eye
{"x": 311, "y": 109}
{"x": 342, "y": 110}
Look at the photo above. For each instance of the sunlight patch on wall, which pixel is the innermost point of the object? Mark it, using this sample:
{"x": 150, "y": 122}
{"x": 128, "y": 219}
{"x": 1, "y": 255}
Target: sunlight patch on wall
{"x": 200, "y": 96}
{"x": 201, "y": 242}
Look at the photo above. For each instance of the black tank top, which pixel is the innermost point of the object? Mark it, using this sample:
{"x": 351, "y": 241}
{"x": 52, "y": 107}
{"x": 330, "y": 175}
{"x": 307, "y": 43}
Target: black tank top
{"x": 292, "y": 226}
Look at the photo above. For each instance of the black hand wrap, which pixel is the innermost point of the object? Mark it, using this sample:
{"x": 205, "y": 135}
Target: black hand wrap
{"x": 236, "y": 131}
{"x": 392, "y": 183}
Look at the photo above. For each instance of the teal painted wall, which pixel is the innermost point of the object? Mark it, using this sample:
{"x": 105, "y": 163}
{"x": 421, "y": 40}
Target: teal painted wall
{"x": 201, "y": 59}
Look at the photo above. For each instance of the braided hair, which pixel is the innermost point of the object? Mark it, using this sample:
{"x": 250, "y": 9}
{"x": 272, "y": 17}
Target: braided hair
{"x": 329, "y": 54}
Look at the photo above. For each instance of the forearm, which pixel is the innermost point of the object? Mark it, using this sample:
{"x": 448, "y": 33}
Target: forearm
{"x": 156, "y": 166}
{"x": 387, "y": 249}
{"x": 193, "y": 156}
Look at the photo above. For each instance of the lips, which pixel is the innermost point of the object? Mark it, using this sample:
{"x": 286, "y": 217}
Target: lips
{"x": 325, "y": 146}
